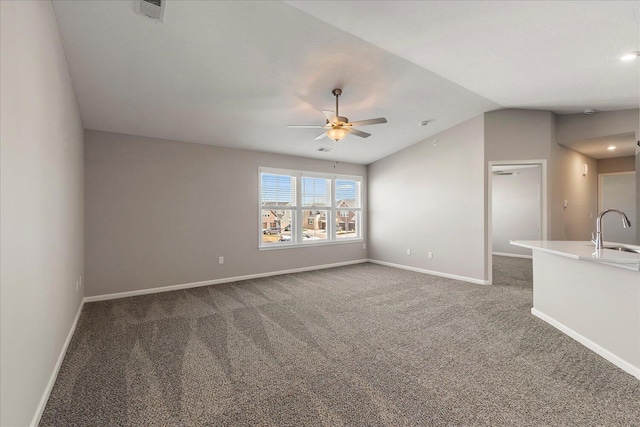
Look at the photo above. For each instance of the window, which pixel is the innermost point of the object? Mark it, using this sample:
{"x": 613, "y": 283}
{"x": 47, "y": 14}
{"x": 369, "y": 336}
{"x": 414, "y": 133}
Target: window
{"x": 348, "y": 199}
{"x": 296, "y": 208}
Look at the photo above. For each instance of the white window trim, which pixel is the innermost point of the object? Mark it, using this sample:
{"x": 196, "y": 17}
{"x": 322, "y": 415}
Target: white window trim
{"x": 297, "y": 215}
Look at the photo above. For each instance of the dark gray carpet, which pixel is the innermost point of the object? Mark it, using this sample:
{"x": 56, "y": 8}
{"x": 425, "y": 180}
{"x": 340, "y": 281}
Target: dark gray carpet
{"x": 350, "y": 346}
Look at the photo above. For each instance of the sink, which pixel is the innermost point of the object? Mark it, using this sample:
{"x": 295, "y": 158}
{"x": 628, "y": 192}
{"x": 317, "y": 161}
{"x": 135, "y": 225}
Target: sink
{"x": 623, "y": 249}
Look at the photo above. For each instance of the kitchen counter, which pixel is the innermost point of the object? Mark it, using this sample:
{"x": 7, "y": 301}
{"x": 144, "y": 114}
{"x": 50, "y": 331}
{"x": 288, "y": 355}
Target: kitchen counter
{"x": 585, "y": 251}
{"x": 592, "y": 296}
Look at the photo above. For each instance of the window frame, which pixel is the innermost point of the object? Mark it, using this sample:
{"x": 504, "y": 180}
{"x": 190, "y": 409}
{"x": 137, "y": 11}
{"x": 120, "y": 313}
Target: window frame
{"x": 298, "y": 210}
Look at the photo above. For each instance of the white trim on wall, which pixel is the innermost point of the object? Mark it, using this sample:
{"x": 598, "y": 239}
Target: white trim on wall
{"x": 431, "y": 272}
{"x": 543, "y": 205}
{"x": 513, "y": 255}
{"x": 216, "y": 281}
{"x": 54, "y": 375}
{"x": 620, "y": 363}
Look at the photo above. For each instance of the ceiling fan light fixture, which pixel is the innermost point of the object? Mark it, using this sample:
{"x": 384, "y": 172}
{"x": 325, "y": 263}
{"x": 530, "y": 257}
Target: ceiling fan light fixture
{"x": 338, "y": 127}
{"x": 337, "y": 133}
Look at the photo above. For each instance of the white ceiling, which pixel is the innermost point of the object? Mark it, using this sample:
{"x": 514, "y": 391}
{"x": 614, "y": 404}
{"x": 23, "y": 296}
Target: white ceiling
{"x": 236, "y": 73}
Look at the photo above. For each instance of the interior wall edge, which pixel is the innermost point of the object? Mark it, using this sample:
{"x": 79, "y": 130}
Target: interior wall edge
{"x": 42, "y": 207}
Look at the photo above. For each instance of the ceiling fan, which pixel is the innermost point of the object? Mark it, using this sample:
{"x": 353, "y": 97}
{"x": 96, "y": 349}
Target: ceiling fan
{"x": 338, "y": 126}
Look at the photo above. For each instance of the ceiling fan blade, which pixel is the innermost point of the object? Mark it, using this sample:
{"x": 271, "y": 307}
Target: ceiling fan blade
{"x": 377, "y": 121}
{"x": 330, "y": 115}
{"x": 322, "y": 135}
{"x": 306, "y": 126}
{"x": 359, "y": 133}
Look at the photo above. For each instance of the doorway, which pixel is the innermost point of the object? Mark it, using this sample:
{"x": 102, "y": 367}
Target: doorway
{"x": 618, "y": 190}
{"x": 516, "y": 207}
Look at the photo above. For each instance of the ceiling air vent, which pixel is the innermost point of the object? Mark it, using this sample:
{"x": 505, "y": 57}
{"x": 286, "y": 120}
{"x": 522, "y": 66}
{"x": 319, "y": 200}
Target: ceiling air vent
{"x": 152, "y": 8}
{"x": 324, "y": 149}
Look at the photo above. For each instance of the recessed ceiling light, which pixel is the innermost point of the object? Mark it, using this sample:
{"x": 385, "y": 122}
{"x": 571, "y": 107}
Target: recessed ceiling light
{"x": 611, "y": 147}
{"x": 630, "y": 56}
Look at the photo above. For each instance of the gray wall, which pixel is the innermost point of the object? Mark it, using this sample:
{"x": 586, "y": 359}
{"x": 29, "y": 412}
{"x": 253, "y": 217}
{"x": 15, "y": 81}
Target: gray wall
{"x": 515, "y": 203}
{"x": 518, "y": 134}
{"x": 566, "y": 182}
{"x": 617, "y": 164}
{"x": 161, "y": 212}
{"x": 41, "y": 206}
{"x": 575, "y": 127}
{"x": 637, "y": 224}
{"x": 531, "y": 135}
{"x": 431, "y": 198}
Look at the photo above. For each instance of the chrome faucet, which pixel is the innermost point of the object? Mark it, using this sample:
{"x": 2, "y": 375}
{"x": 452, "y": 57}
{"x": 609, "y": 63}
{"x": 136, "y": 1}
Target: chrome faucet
{"x": 597, "y": 239}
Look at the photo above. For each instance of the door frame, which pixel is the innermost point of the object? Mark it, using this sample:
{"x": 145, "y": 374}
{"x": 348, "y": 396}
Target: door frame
{"x": 602, "y": 175}
{"x": 489, "y": 204}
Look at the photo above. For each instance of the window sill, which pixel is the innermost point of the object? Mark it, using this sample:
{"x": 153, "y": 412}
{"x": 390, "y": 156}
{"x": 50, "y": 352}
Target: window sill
{"x": 305, "y": 245}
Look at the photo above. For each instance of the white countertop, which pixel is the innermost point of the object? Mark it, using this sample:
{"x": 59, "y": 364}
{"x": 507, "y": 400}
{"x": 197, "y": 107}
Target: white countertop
{"x": 585, "y": 251}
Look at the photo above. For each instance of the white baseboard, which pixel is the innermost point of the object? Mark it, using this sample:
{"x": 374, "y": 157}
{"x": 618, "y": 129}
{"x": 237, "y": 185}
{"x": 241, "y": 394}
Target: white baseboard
{"x": 620, "y": 363}
{"x": 512, "y": 255}
{"x": 52, "y": 379}
{"x": 433, "y": 273}
{"x": 47, "y": 392}
{"x": 216, "y": 281}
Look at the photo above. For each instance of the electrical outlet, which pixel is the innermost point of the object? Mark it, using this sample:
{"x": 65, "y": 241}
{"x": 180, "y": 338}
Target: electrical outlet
{"x": 364, "y": 246}
{"x": 429, "y": 255}
{"x": 221, "y": 260}
{"x": 408, "y": 251}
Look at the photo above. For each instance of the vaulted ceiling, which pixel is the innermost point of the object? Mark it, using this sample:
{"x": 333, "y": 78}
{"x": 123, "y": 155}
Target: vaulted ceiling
{"x": 236, "y": 73}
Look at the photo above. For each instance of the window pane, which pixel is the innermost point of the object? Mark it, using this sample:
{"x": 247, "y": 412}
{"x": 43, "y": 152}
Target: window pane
{"x": 298, "y": 207}
{"x": 347, "y": 193}
{"x": 277, "y": 190}
{"x": 347, "y": 226}
{"x": 314, "y": 225}
{"x": 276, "y": 225}
{"x": 316, "y": 191}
